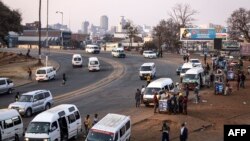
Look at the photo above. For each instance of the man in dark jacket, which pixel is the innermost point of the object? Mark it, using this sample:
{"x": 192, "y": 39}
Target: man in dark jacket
{"x": 137, "y": 98}
{"x": 184, "y": 132}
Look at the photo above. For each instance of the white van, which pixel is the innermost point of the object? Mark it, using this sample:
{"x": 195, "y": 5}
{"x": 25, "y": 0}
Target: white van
{"x": 56, "y": 124}
{"x": 77, "y": 60}
{"x": 158, "y": 85}
{"x": 11, "y": 125}
{"x": 93, "y": 64}
{"x": 193, "y": 76}
{"x": 118, "y": 52}
{"x": 184, "y": 68}
{"x": 146, "y": 69}
{"x": 45, "y": 73}
{"x": 92, "y": 49}
{"x": 113, "y": 127}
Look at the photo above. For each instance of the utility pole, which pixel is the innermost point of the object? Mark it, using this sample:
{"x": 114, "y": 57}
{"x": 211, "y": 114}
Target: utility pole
{"x": 62, "y": 25}
{"x": 39, "y": 34}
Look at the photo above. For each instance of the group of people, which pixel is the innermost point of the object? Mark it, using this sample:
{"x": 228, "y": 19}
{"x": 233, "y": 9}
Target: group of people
{"x": 166, "y": 130}
{"x": 88, "y": 123}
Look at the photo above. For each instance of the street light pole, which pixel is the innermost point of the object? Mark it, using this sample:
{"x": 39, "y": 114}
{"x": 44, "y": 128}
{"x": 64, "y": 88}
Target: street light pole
{"x": 62, "y": 25}
{"x": 47, "y": 33}
{"x": 39, "y": 34}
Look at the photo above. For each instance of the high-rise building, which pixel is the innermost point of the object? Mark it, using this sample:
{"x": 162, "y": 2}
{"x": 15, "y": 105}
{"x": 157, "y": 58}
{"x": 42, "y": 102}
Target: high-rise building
{"x": 121, "y": 25}
{"x": 85, "y": 26}
{"x": 104, "y": 22}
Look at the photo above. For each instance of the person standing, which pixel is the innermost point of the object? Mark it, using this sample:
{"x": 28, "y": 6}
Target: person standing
{"x": 142, "y": 93}
{"x": 87, "y": 124}
{"x": 196, "y": 93}
{"x": 180, "y": 103}
{"x": 17, "y": 96}
{"x": 156, "y": 102}
{"x": 212, "y": 79}
{"x": 186, "y": 90}
{"x": 137, "y": 98}
{"x": 64, "y": 79}
{"x": 238, "y": 80}
{"x": 205, "y": 58}
{"x": 243, "y": 78}
{"x": 184, "y": 132}
{"x": 165, "y": 131}
{"x": 184, "y": 104}
{"x": 95, "y": 120}
{"x": 29, "y": 74}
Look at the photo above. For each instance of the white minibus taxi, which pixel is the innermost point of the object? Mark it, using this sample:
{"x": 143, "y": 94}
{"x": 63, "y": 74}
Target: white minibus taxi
{"x": 93, "y": 64}
{"x": 11, "y": 125}
{"x": 92, "y": 49}
{"x": 161, "y": 84}
{"x": 59, "y": 123}
{"x": 113, "y": 127}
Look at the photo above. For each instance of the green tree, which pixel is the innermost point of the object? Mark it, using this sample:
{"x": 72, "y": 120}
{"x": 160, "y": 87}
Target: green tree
{"x": 10, "y": 21}
{"x": 239, "y": 24}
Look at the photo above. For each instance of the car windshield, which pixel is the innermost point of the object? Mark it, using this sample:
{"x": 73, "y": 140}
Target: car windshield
{"x": 184, "y": 70}
{"x": 77, "y": 59}
{"x": 93, "y": 62}
{"x": 190, "y": 77}
{"x": 38, "y": 127}
{"x": 150, "y": 91}
{"x": 145, "y": 68}
{"x": 195, "y": 61}
{"x": 41, "y": 72}
{"x": 94, "y": 135}
{"x": 25, "y": 98}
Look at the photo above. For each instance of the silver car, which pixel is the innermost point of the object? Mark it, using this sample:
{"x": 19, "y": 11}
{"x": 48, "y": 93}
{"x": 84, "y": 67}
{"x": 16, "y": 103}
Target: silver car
{"x": 33, "y": 102}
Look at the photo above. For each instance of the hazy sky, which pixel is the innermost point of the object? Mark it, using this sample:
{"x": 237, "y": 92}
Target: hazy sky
{"x": 148, "y": 12}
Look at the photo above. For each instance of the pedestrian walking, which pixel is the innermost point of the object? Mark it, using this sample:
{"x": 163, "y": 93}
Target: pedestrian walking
{"x": 156, "y": 102}
{"x": 87, "y": 124}
{"x": 184, "y": 132}
{"x": 142, "y": 93}
{"x": 137, "y": 98}
{"x": 148, "y": 79}
{"x": 17, "y": 96}
{"x": 29, "y": 74}
{"x": 95, "y": 120}
{"x": 64, "y": 79}
{"x": 165, "y": 131}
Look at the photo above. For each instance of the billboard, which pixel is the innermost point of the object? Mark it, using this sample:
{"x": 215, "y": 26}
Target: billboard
{"x": 197, "y": 34}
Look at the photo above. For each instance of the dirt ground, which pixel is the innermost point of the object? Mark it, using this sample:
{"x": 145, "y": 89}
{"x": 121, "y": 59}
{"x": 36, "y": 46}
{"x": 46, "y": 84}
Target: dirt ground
{"x": 206, "y": 120}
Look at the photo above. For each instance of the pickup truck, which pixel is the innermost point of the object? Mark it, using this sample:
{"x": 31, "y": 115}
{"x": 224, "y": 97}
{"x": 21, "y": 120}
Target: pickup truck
{"x": 6, "y": 85}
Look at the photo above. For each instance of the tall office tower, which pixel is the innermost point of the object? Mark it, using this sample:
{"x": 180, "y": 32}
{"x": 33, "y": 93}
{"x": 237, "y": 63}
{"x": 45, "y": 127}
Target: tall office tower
{"x": 85, "y": 26}
{"x": 104, "y": 22}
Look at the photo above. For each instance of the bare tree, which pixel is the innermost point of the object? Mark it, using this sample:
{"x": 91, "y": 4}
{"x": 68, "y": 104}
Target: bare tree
{"x": 183, "y": 14}
{"x": 159, "y": 33}
{"x": 239, "y": 24}
{"x": 131, "y": 32}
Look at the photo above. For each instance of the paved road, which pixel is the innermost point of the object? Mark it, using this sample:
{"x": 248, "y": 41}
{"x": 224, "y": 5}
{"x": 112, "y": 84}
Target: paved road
{"x": 117, "y": 96}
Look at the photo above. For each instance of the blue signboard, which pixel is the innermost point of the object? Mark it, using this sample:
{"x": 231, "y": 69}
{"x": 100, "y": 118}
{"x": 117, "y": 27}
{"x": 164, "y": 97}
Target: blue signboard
{"x": 202, "y": 34}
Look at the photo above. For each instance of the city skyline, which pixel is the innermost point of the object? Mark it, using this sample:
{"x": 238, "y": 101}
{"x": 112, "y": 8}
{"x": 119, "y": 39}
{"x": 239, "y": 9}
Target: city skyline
{"x": 141, "y": 12}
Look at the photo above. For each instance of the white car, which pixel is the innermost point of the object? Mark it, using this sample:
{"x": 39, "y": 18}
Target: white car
{"x": 149, "y": 54}
{"x": 196, "y": 62}
{"x": 45, "y": 73}
{"x": 6, "y": 85}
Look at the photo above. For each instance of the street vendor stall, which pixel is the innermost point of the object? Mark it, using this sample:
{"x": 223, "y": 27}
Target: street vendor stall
{"x": 219, "y": 84}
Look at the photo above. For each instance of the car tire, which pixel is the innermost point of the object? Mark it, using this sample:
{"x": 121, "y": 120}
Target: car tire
{"x": 47, "y": 106}
{"x": 28, "y": 112}
{"x": 10, "y": 91}
{"x": 16, "y": 137}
